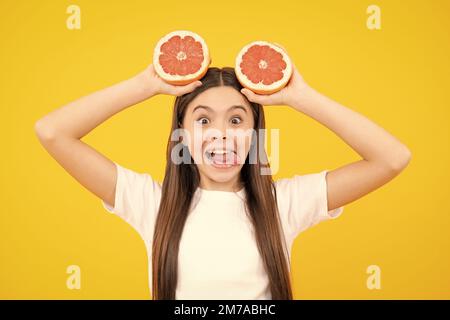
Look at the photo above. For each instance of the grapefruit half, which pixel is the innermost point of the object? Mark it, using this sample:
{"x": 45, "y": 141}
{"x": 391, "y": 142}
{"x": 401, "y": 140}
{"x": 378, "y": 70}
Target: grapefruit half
{"x": 263, "y": 67}
{"x": 181, "y": 57}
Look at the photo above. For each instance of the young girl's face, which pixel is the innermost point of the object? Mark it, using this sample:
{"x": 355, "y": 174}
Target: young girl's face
{"x": 219, "y": 122}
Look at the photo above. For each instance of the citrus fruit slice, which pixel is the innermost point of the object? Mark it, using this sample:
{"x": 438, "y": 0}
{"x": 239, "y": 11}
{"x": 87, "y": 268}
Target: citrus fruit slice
{"x": 181, "y": 57}
{"x": 263, "y": 67}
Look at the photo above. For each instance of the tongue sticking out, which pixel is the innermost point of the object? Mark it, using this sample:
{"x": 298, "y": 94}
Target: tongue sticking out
{"x": 229, "y": 158}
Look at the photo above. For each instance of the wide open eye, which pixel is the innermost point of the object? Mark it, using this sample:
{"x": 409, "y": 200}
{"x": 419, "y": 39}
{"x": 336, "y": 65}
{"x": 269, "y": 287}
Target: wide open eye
{"x": 236, "y": 120}
{"x": 203, "y": 120}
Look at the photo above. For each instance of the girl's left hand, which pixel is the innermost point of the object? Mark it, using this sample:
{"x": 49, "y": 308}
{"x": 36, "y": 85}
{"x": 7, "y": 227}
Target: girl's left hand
{"x": 286, "y": 96}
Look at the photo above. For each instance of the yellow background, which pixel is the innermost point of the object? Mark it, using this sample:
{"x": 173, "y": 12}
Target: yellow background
{"x": 398, "y": 76}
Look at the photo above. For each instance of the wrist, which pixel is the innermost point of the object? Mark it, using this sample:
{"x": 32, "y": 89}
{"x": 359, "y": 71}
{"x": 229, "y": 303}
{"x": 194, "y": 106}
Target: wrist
{"x": 144, "y": 85}
{"x": 302, "y": 98}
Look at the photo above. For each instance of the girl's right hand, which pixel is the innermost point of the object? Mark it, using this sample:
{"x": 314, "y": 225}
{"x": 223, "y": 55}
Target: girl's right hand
{"x": 159, "y": 86}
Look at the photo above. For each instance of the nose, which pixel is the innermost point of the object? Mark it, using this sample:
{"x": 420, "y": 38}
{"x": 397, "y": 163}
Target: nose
{"x": 218, "y": 133}
{"x": 219, "y": 138}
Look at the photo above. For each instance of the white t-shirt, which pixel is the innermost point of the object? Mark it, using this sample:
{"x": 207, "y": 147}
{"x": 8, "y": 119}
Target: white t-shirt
{"x": 218, "y": 256}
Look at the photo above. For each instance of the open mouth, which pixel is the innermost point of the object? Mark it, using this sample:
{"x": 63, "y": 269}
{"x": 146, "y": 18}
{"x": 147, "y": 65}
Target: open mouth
{"x": 222, "y": 158}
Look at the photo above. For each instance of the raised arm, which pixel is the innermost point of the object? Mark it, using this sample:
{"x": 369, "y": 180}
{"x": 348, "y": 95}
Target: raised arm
{"x": 383, "y": 155}
{"x": 60, "y": 131}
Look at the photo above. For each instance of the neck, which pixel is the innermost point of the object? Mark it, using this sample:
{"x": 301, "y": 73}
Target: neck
{"x": 232, "y": 185}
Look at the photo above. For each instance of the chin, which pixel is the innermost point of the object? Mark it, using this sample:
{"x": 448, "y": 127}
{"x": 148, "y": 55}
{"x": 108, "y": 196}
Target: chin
{"x": 223, "y": 174}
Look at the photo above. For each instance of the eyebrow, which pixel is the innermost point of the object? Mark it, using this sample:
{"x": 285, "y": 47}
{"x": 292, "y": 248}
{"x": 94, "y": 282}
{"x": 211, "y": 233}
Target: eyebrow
{"x": 212, "y": 110}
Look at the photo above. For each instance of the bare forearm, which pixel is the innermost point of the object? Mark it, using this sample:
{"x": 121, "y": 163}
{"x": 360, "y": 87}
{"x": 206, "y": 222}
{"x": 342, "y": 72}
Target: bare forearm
{"x": 79, "y": 117}
{"x": 368, "y": 139}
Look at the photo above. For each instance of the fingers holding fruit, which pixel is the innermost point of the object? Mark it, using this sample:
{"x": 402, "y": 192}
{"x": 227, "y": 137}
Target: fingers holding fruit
{"x": 285, "y": 96}
{"x": 162, "y": 87}
{"x": 267, "y": 73}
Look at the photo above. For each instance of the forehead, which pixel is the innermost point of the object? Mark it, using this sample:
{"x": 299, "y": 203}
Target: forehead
{"x": 219, "y": 98}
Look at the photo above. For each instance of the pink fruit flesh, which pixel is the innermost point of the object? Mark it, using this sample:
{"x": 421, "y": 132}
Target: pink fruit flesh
{"x": 181, "y": 56}
{"x": 263, "y": 64}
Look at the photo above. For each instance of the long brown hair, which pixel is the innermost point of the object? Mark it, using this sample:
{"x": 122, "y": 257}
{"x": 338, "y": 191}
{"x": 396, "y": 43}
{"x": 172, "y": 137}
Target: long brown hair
{"x": 180, "y": 183}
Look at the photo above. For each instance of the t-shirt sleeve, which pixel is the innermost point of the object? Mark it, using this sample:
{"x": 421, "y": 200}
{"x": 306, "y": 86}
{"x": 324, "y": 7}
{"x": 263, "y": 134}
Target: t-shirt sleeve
{"x": 137, "y": 198}
{"x": 302, "y": 202}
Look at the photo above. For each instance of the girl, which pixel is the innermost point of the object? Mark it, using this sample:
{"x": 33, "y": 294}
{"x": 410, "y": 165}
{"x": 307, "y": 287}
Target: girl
{"x": 219, "y": 229}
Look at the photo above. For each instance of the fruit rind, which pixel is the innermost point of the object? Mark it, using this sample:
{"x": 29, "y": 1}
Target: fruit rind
{"x": 181, "y": 79}
{"x": 259, "y": 87}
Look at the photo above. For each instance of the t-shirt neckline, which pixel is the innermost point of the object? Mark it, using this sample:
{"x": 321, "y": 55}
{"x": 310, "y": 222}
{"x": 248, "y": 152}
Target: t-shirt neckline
{"x": 241, "y": 192}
